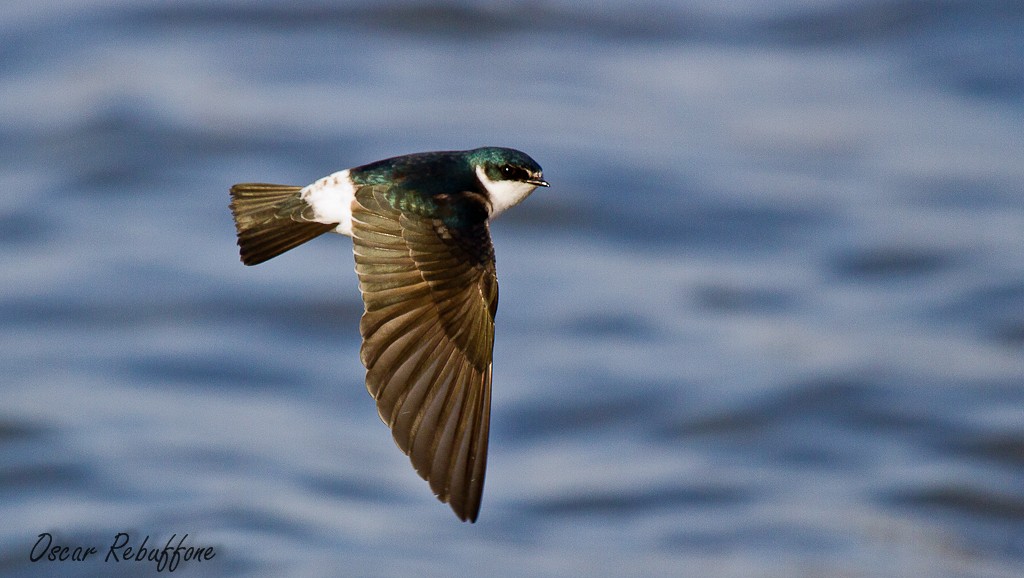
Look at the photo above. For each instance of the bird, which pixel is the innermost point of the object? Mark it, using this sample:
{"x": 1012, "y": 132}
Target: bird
{"x": 420, "y": 233}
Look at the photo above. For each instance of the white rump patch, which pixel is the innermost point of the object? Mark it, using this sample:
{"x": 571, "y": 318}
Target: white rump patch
{"x": 504, "y": 194}
{"x": 331, "y": 198}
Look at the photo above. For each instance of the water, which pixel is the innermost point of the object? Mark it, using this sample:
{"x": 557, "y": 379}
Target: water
{"x": 768, "y": 320}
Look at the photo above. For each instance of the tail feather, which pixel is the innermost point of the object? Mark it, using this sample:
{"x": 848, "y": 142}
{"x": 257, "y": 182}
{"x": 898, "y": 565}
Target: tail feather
{"x": 269, "y": 220}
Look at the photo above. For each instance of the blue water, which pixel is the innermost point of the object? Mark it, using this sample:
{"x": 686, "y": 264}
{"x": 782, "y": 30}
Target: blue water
{"x": 768, "y": 321}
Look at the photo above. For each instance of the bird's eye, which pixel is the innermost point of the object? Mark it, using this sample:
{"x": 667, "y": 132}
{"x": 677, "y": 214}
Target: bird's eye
{"x": 507, "y": 171}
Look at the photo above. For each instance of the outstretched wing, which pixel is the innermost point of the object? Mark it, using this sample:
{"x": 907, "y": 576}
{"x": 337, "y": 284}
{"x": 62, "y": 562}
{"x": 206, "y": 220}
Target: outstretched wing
{"x": 430, "y": 291}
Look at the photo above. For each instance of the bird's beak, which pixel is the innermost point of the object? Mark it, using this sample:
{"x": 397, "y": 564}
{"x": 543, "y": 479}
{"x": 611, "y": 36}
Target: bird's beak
{"x": 538, "y": 182}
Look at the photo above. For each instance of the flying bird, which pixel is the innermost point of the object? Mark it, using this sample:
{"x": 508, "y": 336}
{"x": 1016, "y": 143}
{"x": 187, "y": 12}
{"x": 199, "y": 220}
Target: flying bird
{"x": 425, "y": 263}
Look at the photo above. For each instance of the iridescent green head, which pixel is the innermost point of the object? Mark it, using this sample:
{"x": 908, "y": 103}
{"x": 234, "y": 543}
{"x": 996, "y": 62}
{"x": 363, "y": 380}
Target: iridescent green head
{"x": 508, "y": 175}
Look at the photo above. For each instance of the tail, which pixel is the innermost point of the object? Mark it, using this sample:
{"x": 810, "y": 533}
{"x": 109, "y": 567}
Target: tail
{"x": 269, "y": 220}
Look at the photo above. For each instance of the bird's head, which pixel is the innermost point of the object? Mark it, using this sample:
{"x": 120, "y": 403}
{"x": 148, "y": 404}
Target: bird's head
{"x": 508, "y": 176}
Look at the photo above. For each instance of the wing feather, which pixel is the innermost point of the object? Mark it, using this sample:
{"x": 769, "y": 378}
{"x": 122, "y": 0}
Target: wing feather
{"x": 430, "y": 292}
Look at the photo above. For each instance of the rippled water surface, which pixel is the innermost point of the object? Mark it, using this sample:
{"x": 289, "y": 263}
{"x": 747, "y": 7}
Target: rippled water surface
{"x": 768, "y": 320}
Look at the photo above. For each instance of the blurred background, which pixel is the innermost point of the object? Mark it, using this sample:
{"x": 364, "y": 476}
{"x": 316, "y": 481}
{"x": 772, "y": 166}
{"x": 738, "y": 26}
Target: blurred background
{"x": 767, "y": 321}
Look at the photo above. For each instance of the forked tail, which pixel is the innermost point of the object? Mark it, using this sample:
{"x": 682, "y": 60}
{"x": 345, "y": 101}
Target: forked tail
{"x": 269, "y": 220}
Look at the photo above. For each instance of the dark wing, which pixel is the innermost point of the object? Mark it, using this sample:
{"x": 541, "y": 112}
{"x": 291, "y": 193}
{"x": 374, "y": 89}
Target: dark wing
{"x": 430, "y": 292}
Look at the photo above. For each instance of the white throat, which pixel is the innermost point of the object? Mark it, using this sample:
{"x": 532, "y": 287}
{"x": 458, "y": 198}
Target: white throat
{"x": 504, "y": 194}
